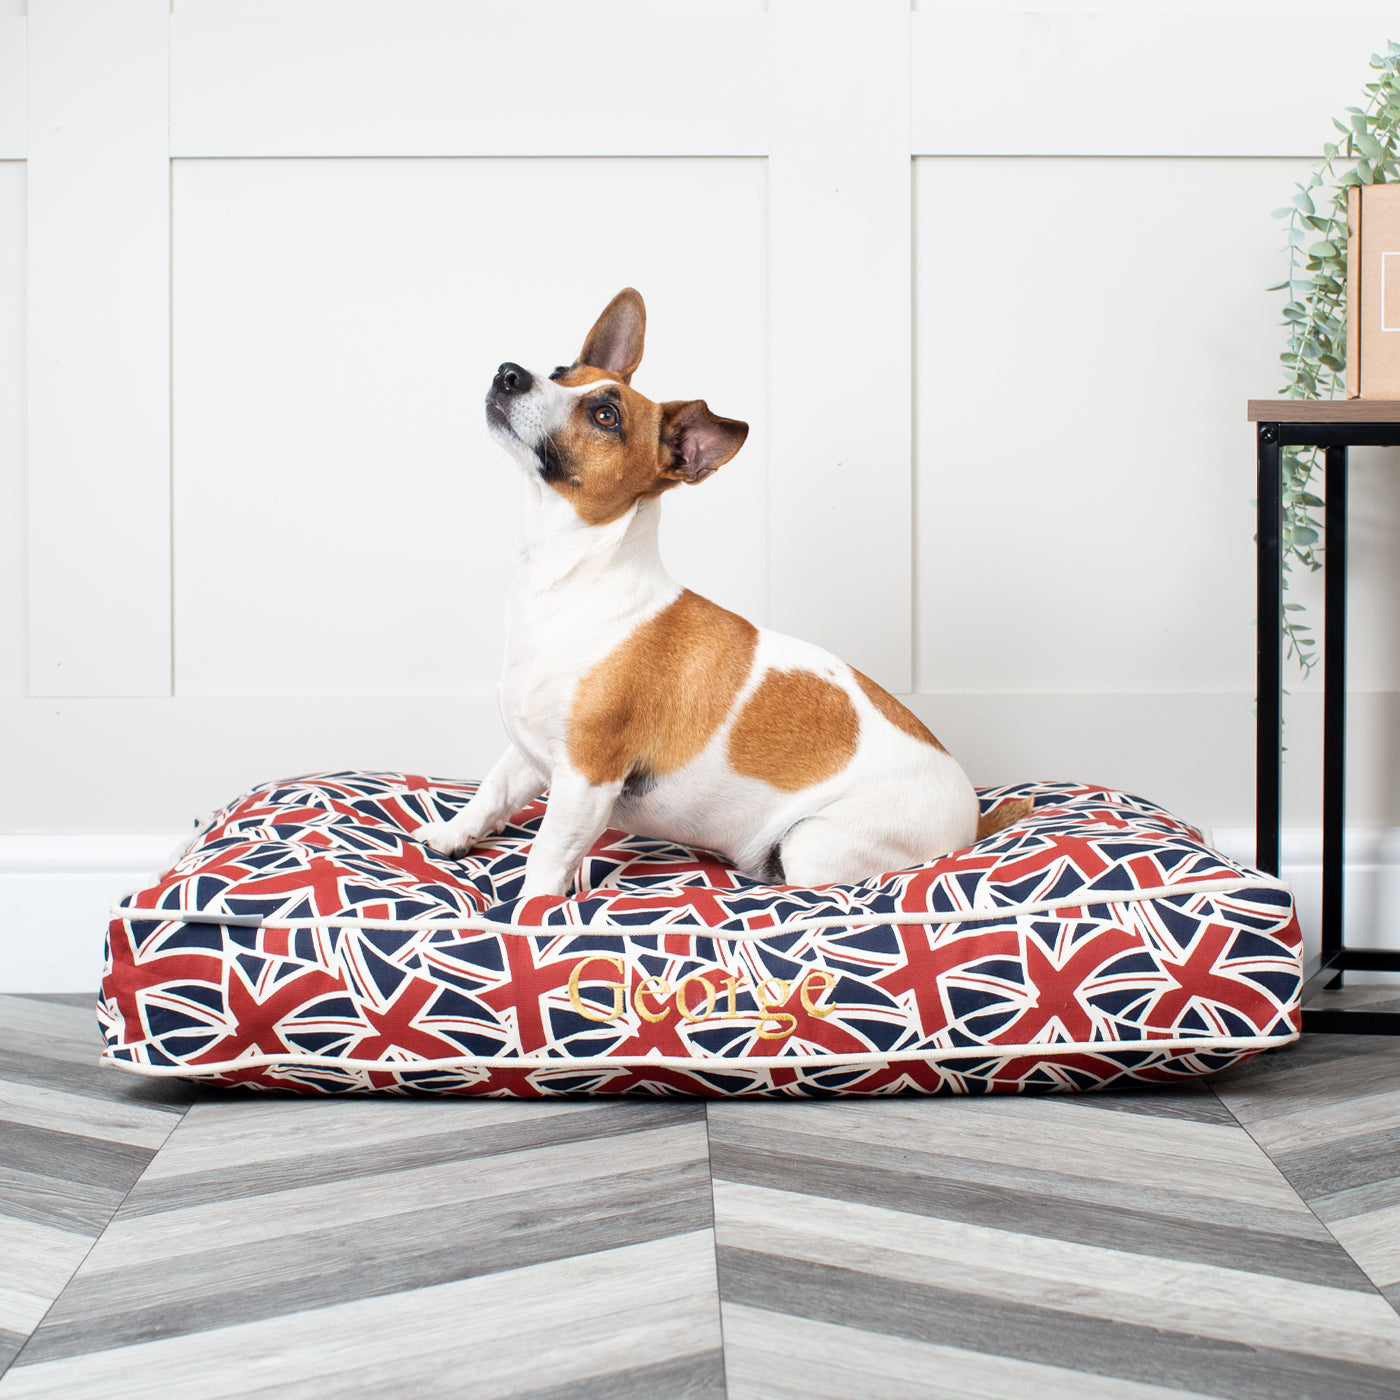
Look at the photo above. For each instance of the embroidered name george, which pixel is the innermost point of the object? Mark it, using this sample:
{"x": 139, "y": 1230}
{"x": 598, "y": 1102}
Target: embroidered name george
{"x": 654, "y": 999}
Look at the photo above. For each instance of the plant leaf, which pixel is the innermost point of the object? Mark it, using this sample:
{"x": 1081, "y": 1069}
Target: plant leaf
{"x": 1373, "y": 149}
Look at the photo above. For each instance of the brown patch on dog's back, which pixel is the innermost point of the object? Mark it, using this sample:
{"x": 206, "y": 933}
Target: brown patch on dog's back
{"x": 795, "y": 730}
{"x": 898, "y": 715}
{"x": 999, "y": 818}
{"x": 651, "y": 705}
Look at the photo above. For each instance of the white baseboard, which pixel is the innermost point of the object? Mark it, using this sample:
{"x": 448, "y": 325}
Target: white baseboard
{"x": 1371, "y": 896}
{"x": 55, "y": 892}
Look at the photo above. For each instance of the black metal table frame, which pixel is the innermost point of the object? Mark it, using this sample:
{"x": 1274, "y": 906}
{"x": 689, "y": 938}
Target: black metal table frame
{"x": 1335, "y": 957}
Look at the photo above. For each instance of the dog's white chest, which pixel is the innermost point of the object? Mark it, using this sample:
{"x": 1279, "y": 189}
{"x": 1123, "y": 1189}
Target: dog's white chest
{"x": 566, "y": 615}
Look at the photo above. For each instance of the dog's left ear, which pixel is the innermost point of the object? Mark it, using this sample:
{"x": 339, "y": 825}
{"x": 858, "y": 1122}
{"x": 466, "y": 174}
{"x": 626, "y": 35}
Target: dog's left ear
{"x": 700, "y": 442}
{"x": 615, "y": 342}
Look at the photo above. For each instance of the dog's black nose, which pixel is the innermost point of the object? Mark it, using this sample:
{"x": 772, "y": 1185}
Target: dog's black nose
{"x": 513, "y": 379}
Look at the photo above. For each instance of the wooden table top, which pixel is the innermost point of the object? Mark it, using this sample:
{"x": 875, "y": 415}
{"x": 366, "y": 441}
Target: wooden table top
{"x": 1324, "y": 410}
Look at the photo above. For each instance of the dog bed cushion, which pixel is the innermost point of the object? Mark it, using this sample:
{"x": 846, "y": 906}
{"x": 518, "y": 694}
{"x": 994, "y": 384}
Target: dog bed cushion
{"x": 305, "y": 941}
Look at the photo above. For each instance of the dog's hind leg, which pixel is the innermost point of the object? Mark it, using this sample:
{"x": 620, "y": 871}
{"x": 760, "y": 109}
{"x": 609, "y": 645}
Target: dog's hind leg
{"x": 825, "y": 850}
{"x": 512, "y": 782}
{"x": 855, "y": 840}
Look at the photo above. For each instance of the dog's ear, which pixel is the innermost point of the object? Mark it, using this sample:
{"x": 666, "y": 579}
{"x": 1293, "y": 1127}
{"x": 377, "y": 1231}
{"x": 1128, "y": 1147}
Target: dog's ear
{"x": 615, "y": 342}
{"x": 699, "y": 441}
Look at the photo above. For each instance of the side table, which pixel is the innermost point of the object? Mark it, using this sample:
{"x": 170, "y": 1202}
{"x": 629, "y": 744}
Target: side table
{"x": 1334, "y": 425}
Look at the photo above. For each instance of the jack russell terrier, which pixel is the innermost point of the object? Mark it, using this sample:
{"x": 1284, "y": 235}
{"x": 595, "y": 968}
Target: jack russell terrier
{"x": 641, "y": 705}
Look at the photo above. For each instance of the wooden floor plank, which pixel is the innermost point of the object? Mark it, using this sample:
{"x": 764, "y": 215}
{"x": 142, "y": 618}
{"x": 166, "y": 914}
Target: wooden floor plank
{"x": 774, "y": 1356}
{"x": 1198, "y": 1192}
{"x": 10, "y": 1344}
{"x": 1280, "y": 1214}
{"x": 305, "y": 1144}
{"x": 319, "y": 1203}
{"x": 687, "y": 1378}
{"x": 1049, "y": 1233}
{"x": 37, "y": 1261}
{"x": 949, "y": 1316}
{"x": 1329, "y": 1117}
{"x": 50, "y": 1200}
{"x": 1072, "y": 1135}
{"x": 84, "y": 1077}
{"x": 549, "y": 1326}
{"x": 232, "y": 1283}
{"x": 113, "y": 1119}
{"x": 145, "y": 1240}
{"x": 1372, "y": 1238}
{"x": 1084, "y": 1282}
{"x": 82, "y": 1158}
{"x": 259, "y": 1128}
{"x": 57, "y": 1030}
{"x": 73, "y": 1142}
{"x": 1039, "y": 1213}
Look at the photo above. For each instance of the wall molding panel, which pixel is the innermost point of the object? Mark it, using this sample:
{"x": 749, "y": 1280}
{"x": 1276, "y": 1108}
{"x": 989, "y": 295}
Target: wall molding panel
{"x": 99, "y": 348}
{"x": 508, "y": 84}
{"x": 840, "y": 266}
{"x": 14, "y": 87}
{"x": 1136, "y": 84}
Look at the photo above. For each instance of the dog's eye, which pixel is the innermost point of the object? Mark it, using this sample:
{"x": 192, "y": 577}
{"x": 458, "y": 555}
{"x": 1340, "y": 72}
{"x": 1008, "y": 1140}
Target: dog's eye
{"x": 605, "y": 416}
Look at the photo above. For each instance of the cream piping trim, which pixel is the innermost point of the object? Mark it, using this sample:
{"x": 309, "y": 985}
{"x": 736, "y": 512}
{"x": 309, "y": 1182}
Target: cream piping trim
{"x": 1031, "y": 1050}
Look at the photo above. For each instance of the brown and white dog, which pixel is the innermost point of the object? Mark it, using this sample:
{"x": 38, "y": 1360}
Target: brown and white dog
{"x": 639, "y": 704}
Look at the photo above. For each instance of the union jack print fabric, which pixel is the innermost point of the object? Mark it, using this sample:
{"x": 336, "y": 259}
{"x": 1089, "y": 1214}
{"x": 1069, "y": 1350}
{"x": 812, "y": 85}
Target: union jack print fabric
{"x": 305, "y": 941}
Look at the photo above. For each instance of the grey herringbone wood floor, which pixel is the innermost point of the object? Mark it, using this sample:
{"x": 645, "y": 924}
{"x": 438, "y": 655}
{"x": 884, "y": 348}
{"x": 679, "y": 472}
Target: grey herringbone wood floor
{"x": 1239, "y": 1240}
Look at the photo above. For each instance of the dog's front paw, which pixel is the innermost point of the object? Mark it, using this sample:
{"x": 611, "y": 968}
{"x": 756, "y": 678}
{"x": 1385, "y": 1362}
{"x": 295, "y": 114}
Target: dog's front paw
{"x": 534, "y": 886}
{"x": 445, "y": 838}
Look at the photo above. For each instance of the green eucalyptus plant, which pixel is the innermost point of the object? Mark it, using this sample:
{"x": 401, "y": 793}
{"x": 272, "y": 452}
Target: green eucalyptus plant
{"x": 1315, "y": 313}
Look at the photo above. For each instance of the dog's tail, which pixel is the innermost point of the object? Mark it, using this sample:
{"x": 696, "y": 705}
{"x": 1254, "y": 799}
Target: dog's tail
{"x": 1002, "y": 816}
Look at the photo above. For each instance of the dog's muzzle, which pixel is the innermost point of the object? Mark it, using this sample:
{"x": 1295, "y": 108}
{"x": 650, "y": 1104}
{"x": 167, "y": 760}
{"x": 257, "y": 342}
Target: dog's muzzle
{"x": 511, "y": 380}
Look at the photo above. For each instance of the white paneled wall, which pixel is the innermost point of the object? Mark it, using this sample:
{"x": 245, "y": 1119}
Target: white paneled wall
{"x": 343, "y": 525}
{"x": 1112, "y": 552}
{"x": 987, "y": 281}
{"x": 14, "y": 581}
